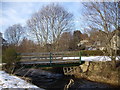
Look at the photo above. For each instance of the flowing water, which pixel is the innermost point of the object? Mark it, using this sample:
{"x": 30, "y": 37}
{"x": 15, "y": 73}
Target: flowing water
{"x": 49, "y": 80}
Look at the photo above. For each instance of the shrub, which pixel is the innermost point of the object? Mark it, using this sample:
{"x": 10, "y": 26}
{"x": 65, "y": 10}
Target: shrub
{"x": 84, "y": 53}
{"x": 91, "y": 53}
{"x": 10, "y": 57}
{"x": 87, "y": 53}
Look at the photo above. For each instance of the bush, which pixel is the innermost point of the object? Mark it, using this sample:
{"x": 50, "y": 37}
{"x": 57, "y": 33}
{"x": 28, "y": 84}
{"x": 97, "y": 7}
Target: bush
{"x": 91, "y": 53}
{"x": 10, "y": 57}
{"x": 84, "y": 53}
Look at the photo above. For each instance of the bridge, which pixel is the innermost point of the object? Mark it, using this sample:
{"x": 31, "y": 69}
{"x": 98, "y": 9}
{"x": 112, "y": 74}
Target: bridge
{"x": 69, "y": 62}
{"x": 58, "y": 59}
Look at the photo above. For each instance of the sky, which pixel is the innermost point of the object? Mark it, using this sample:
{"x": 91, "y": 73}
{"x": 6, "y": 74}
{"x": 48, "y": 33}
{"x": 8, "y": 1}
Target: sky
{"x": 19, "y": 12}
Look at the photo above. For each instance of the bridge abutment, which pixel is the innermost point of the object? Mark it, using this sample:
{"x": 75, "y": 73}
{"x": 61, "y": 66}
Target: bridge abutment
{"x": 76, "y": 69}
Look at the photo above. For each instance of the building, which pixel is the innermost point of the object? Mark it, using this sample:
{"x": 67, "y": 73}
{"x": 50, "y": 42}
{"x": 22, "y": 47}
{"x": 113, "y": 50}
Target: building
{"x": 82, "y": 42}
{"x": 98, "y": 41}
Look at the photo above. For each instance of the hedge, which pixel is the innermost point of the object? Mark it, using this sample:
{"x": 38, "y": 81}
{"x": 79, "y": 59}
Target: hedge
{"x": 87, "y": 53}
{"x": 84, "y": 53}
{"x": 92, "y": 53}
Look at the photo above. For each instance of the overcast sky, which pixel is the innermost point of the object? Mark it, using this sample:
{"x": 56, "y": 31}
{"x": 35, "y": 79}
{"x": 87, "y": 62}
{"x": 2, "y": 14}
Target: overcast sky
{"x": 19, "y": 12}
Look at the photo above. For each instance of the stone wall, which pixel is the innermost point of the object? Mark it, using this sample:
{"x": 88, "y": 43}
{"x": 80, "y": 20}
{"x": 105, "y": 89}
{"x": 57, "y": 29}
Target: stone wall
{"x": 99, "y": 72}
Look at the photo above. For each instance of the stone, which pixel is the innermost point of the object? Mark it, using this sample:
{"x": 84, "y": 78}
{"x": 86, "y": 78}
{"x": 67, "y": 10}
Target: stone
{"x": 84, "y": 66}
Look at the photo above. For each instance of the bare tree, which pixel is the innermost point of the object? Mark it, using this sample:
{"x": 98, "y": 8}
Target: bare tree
{"x": 27, "y": 46}
{"x": 14, "y": 34}
{"x": 49, "y": 23}
{"x": 103, "y": 17}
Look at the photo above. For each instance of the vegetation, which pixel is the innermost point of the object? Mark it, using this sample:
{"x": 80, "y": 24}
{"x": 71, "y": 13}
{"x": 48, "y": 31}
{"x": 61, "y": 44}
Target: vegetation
{"x": 103, "y": 18}
{"x": 14, "y": 34}
{"x": 51, "y": 30}
{"x": 10, "y": 57}
{"x": 102, "y": 72}
{"x": 92, "y": 53}
{"x": 84, "y": 53}
{"x": 87, "y": 53}
{"x": 49, "y": 23}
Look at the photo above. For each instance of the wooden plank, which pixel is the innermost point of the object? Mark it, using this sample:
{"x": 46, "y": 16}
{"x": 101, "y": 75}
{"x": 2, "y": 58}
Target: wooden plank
{"x": 33, "y": 57}
{"x": 44, "y": 62}
{"x": 43, "y": 57}
{"x": 34, "y": 54}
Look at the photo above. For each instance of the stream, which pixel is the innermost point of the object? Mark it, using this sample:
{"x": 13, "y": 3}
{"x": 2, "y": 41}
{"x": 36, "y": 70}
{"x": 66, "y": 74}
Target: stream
{"x": 50, "y": 80}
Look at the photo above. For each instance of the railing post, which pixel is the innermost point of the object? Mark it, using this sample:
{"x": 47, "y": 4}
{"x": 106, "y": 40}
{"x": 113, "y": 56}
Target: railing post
{"x": 62, "y": 56}
{"x": 80, "y": 56}
{"x": 50, "y": 58}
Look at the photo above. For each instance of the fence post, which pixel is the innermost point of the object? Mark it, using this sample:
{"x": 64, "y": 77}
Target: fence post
{"x": 80, "y": 56}
{"x": 50, "y": 58}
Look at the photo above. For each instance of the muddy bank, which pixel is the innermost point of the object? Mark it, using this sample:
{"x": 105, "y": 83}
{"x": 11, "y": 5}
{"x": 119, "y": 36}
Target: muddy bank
{"x": 100, "y": 72}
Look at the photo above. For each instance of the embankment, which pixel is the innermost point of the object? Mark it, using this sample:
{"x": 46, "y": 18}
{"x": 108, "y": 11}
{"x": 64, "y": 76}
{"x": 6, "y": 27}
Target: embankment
{"x": 100, "y": 72}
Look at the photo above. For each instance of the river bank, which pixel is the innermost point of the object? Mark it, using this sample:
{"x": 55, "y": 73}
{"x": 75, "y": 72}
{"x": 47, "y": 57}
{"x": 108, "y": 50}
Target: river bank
{"x": 100, "y": 71}
{"x": 11, "y": 81}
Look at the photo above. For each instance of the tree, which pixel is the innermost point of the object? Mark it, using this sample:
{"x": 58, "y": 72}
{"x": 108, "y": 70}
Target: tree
{"x": 76, "y": 39}
{"x": 103, "y": 17}
{"x": 27, "y": 46}
{"x": 49, "y": 23}
{"x": 84, "y": 36}
{"x": 64, "y": 41}
{"x": 14, "y": 34}
{"x": 77, "y": 36}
